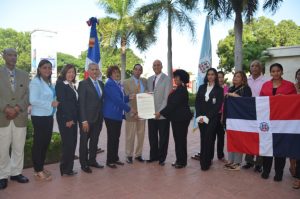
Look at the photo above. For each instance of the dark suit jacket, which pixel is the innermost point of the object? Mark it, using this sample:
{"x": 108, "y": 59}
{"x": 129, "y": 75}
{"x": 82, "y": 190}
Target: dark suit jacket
{"x": 67, "y": 109}
{"x": 90, "y": 105}
{"x": 177, "y": 108}
{"x": 209, "y": 108}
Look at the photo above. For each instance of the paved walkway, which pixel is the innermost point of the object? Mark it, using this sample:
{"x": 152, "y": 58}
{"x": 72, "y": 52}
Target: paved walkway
{"x": 149, "y": 180}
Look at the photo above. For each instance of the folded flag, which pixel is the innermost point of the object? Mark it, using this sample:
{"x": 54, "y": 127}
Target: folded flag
{"x": 265, "y": 126}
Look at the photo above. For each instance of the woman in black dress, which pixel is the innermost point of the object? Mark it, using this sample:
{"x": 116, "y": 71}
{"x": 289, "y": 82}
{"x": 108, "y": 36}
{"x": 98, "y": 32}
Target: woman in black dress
{"x": 208, "y": 104}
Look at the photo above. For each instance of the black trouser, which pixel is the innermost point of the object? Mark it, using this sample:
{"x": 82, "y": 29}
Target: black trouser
{"x": 297, "y": 169}
{"x": 43, "y": 127}
{"x": 88, "y": 155}
{"x": 279, "y": 165}
{"x": 219, "y": 135}
{"x": 180, "y": 131}
{"x": 69, "y": 141}
{"x": 113, "y": 136}
{"x": 250, "y": 159}
{"x": 207, "y": 134}
{"x": 158, "y": 146}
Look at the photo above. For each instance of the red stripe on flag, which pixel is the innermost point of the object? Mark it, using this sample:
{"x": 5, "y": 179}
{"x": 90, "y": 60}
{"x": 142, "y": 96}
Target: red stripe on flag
{"x": 243, "y": 142}
{"x": 285, "y": 107}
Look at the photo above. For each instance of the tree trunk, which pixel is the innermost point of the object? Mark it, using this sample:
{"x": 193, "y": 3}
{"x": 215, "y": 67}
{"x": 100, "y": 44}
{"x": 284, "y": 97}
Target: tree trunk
{"x": 170, "y": 65}
{"x": 123, "y": 58}
{"x": 238, "y": 43}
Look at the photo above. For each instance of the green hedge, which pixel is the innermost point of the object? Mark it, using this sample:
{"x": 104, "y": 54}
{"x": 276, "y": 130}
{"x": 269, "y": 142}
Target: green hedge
{"x": 192, "y": 99}
{"x": 54, "y": 149}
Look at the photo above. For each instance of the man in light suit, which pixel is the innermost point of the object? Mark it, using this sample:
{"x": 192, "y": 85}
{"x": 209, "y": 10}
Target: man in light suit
{"x": 160, "y": 85}
{"x": 14, "y": 101}
{"x": 134, "y": 126}
{"x": 90, "y": 93}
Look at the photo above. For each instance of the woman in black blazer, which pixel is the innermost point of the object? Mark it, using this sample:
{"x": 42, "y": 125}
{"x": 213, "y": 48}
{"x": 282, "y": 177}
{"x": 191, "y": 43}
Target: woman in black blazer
{"x": 67, "y": 117}
{"x": 208, "y": 103}
{"x": 179, "y": 113}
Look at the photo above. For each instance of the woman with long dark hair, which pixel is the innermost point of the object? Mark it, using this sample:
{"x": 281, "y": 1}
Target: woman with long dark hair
{"x": 67, "y": 117}
{"x": 276, "y": 86}
{"x": 43, "y": 105}
{"x": 208, "y": 104}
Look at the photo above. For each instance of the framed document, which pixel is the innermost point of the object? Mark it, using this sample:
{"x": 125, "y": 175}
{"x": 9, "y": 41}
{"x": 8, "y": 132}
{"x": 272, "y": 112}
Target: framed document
{"x": 145, "y": 105}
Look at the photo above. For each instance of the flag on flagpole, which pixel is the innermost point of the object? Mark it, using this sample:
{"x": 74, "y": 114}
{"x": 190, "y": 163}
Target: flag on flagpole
{"x": 93, "y": 55}
{"x": 205, "y": 61}
{"x": 264, "y": 126}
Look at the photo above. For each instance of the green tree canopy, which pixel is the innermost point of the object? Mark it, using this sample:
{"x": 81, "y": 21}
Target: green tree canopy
{"x": 10, "y": 38}
{"x": 258, "y": 35}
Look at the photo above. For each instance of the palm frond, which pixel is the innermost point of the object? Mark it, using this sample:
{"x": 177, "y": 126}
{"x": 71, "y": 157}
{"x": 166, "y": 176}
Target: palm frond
{"x": 272, "y": 5}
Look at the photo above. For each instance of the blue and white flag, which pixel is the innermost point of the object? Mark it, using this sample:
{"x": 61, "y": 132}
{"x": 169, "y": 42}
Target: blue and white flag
{"x": 93, "y": 55}
{"x": 205, "y": 61}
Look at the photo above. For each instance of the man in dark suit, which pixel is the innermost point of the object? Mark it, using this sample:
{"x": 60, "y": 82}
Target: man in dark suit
{"x": 90, "y": 93}
{"x": 14, "y": 101}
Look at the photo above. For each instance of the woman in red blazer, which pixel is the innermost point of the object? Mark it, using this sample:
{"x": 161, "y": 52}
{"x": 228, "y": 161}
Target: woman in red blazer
{"x": 276, "y": 86}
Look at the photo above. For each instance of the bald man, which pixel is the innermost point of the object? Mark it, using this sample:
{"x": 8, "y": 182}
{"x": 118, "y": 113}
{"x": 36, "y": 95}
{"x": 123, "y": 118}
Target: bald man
{"x": 158, "y": 129}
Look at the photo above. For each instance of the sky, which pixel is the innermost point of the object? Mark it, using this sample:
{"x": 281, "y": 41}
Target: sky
{"x": 68, "y": 18}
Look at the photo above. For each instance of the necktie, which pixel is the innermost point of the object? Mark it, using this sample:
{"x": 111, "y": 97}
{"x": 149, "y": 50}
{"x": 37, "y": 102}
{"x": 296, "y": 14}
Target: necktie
{"x": 139, "y": 87}
{"x": 154, "y": 82}
{"x": 12, "y": 80}
{"x": 97, "y": 88}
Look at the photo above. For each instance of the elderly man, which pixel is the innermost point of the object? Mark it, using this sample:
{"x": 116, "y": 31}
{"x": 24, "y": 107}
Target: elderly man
{"x": 14, "y": 101}
{"x": 134, "y": 125}
{"x": 255, "y": 82}
{"x": 158, "y": 129}
{"x": 90, "y": 92}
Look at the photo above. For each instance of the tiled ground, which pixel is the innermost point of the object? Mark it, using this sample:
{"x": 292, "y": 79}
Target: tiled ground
{"x": 142, "y": 180}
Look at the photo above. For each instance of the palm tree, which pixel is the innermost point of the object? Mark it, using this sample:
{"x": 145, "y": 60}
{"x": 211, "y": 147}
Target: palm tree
{"x": 176, "y": 12}
{"x": 121, "y": 27}
{"x": 220, "y": 9}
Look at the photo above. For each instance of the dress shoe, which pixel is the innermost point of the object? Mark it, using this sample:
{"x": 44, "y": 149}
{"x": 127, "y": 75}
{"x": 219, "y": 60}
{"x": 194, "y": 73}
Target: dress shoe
{"x": 111, "y": 165}
{"x": 247, "y": 165}
{"x": 19, "y": 178}
{"x": 119, "y": 163}
{"x": 129, "y": 160}
{"x": 174, "y": 164}
{"x": 86, "y": 169}
{"x": 277, "y": 178}
{"x": 258, "y": 169}
{"x": 139, "y": 158}
{"x": 96, "y": 165}
{"x": 3, "y": 183}
{"x": 162, "y": 163}
{"x": 151, "y": 160}
{"x": 264, "y": 175}
{"x": 72, "y": 173}
{"x": 179, "y": 166}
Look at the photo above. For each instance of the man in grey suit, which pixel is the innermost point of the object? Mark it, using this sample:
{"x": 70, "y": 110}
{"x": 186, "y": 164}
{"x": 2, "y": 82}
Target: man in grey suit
{"x": 90, "y": 93}
{"x": 158, "y": 129}
{"x": 14, "y": 101}
{"x": 134, "y": 126}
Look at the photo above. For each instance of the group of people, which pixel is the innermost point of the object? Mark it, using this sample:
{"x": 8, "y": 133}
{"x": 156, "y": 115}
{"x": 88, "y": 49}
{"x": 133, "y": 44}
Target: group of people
{"x": 94, "y": 103}
{"x": 211, "y": 116}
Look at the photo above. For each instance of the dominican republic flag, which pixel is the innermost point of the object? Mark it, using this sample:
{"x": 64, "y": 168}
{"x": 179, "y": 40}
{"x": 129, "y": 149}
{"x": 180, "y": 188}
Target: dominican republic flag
{"x": 265, "y": 126}
{"x": 93, "y": 54}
